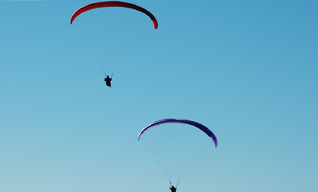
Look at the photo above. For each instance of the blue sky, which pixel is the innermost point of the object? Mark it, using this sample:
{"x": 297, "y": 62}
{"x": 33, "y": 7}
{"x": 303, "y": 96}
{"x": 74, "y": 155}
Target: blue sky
{"x": 247, "y": 70}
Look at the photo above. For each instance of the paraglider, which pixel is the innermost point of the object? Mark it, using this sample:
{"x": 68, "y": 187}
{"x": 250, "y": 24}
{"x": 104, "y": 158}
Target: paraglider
{"x": 107, "y": 36}
{"x": 177, "y": 148}
{"x": 173, "y": 189}
{"x": 108, "y": 80}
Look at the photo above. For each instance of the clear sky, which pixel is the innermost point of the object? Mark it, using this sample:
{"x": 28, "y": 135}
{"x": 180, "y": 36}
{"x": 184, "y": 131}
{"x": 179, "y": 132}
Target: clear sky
{"x": 245, "y": 69}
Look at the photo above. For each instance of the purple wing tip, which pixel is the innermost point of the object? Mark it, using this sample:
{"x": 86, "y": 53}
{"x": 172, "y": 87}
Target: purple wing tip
{"x": 215, "y": 142}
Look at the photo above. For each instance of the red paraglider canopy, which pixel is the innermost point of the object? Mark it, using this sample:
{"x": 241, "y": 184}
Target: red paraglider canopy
{"x": 114, "y": 4}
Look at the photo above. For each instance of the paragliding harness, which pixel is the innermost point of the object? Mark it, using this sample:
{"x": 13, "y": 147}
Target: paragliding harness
{"x": 108, "y": 80}
{"x": 173, "y": 188}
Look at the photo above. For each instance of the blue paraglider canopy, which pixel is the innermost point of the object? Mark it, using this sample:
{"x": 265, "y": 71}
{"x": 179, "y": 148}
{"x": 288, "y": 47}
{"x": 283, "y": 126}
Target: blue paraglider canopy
{"x": 184, "y": 121}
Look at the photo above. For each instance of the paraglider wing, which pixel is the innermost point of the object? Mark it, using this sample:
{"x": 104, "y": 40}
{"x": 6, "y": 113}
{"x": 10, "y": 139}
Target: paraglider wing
{"x": 114, "y": 4}
{"x": 184, "y": 121}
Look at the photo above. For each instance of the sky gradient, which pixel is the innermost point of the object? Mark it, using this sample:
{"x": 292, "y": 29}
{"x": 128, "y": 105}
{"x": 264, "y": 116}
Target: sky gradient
{"x": 247, "y": 70}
